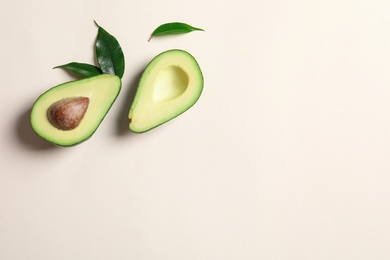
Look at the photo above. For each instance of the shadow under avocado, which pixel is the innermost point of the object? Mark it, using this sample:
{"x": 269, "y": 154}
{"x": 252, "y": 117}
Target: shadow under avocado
{"x": 26, "y": 135}
{"x": 123, "y": 119}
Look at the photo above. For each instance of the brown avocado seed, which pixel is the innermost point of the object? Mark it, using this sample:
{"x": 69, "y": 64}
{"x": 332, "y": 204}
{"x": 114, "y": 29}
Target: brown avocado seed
{"x": 66, "y": 114}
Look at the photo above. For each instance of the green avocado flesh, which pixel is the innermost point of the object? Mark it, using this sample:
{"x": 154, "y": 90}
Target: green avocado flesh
{"x": 100, "y": 91}
{"x": 171, "y": 83}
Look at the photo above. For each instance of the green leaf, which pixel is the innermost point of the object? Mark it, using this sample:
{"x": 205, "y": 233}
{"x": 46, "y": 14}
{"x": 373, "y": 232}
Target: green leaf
{"x": 173, "y": 28}
{"x": 109, "y": 53}
{"x": 81, "y": 69}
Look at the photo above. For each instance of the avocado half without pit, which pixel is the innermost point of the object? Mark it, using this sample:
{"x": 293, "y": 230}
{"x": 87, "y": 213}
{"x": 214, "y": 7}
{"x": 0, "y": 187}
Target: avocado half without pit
{"x": 70, "y": 113}
{"x": 171, "y": 84}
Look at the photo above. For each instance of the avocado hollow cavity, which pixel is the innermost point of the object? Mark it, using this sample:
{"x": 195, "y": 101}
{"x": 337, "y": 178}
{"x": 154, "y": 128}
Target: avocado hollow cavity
{"x": 66, "y": 114}
{"x": 169, "y": 84}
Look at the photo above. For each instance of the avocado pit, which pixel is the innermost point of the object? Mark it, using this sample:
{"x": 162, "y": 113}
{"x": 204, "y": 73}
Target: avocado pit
{"x": 66, "y": 114}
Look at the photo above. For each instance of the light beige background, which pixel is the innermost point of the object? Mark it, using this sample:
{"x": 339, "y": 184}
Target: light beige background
{"x": 285, "y": 156}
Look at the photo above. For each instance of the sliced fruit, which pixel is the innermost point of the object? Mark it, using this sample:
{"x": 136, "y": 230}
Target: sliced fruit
{"x": 70, "y": 113}
{"x": 171, "y": 84}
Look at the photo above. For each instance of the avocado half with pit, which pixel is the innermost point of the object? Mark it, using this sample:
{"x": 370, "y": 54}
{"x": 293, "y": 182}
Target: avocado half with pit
{"x": 171, "y": 84}
{"x": 70, "y": 113}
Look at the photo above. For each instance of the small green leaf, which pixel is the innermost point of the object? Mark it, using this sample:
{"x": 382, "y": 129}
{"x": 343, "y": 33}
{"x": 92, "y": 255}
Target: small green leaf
{"x": 109, "y": 53}
{"x": 81, "y": 69}
{"x": 173, "y": 28}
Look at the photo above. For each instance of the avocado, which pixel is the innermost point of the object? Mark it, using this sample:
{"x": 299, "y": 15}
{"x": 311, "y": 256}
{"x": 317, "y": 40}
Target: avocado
{"x": 170, "y": 84}
{"x": 70, "y": 113}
